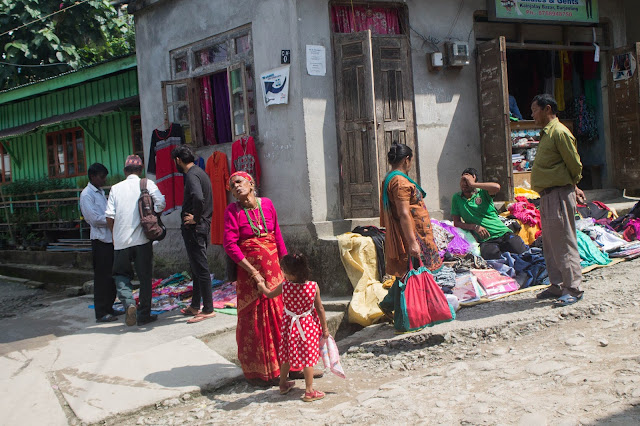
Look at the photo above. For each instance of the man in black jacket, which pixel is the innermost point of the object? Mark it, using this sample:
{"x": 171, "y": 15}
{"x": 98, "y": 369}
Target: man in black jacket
{"x": 197, "y": 207}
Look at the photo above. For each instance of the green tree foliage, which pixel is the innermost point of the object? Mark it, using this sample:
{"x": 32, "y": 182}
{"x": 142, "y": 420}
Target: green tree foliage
{"x": 89, "y": 32}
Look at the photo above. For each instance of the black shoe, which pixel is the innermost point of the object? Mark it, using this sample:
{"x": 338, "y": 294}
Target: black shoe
{"x": 549, "y": 293}
{"x": 107, "y": 318}
{"x": 147, "y": 320}
{"x": 117, "y": 313}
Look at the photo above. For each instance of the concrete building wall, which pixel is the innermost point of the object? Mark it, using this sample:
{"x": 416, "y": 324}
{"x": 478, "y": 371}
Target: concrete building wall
{"x": 280, "y": 142}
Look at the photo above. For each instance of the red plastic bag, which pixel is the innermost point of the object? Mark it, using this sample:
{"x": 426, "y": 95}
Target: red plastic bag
{"x": 417, "y": 301}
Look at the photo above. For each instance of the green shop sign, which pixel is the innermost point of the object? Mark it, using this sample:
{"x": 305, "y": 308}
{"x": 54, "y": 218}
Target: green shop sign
{"x": 585, "y": 11}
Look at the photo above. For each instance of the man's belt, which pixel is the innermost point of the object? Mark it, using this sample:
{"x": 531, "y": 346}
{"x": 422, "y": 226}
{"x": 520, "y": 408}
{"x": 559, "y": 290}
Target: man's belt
{"x": 552, "y": 188}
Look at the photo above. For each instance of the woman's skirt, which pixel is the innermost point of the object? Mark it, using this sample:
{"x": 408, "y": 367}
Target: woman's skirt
{"x": 258, "y": 331}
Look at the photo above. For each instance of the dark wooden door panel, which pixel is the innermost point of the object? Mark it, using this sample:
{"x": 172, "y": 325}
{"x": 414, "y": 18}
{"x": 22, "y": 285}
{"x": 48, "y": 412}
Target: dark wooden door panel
{"x": 393, "y": 86}
{"x": 494, "y": 116}
{"x": 355, "y": 113}
{"x": 624, "y": 107}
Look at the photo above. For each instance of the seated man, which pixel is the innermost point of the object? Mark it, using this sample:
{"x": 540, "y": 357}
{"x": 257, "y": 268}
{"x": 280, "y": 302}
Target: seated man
{"x": 475, "y": 206}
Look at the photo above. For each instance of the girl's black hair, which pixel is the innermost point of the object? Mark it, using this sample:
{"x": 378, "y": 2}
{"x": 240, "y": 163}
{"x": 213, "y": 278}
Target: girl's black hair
{"x": 398, "y": 152}
{"x": 297, "y": 266}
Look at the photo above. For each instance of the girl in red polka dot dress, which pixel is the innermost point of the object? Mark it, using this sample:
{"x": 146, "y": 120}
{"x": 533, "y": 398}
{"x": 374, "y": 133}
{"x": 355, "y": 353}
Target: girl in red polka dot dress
{"x": 302, "y": 324}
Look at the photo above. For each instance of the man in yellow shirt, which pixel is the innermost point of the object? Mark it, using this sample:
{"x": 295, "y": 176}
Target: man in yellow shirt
{"x": 556, "y": 171}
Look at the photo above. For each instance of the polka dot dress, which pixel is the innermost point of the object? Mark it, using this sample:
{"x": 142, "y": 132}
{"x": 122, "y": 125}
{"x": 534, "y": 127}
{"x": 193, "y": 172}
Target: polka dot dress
{"x": 298, "y": 299}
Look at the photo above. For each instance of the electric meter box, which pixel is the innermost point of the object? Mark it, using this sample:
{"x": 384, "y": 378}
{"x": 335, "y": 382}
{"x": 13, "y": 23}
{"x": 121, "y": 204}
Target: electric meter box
{"x": 457, "y": 53}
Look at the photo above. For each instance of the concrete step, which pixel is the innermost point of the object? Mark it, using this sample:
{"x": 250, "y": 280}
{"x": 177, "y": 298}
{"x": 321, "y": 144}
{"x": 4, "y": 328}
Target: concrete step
{"x": 603, "y": 195}
{"x": 335, "y": 304}
{"x": 47, "y": 274}
{"x": 81, "y": 260}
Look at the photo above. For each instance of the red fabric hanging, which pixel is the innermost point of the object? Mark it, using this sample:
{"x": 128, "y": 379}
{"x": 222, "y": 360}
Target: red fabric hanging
{"x": 218, "y": 172}
{"x": 206, "y": 105}
{"x": 380, "y": 20}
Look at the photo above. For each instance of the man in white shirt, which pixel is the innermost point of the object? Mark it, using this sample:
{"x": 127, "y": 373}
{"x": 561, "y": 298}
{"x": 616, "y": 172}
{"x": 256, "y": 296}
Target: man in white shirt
{"x": 93, "y": 204}
{"x": 130, "y": 243}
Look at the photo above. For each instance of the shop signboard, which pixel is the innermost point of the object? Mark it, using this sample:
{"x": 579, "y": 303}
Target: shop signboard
{"x": 575, "y": 11}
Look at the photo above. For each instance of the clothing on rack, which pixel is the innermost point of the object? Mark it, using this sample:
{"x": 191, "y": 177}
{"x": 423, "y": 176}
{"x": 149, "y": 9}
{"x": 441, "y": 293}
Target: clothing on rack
{"x": 170, "y": 182}
{"x": 244, "y": 157}
{"x": 218, "y": 173}
{"x": 206, "y": 106}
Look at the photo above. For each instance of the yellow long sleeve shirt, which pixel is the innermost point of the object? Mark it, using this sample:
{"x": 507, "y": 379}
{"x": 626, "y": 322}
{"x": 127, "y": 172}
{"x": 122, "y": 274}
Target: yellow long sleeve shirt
{"x": 557, "y": 161}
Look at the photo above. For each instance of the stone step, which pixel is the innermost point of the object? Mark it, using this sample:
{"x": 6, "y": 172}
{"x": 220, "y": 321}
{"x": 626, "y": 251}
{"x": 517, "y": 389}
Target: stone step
{"x": 48, "y": 275}
{"x": 80, "y": 260}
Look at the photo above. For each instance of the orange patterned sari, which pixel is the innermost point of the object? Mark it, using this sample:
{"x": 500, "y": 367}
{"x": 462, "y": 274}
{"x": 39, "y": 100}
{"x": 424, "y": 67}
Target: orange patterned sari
{"x": 258, "y": 331}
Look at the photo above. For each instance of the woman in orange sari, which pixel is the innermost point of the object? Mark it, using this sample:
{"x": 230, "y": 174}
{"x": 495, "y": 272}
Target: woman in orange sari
{"x": 403, "y": 213}
{"x": 253, "y": 240}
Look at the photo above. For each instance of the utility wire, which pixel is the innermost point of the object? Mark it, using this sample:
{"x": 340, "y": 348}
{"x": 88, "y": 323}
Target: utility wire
{"x": 34, "y": 66}
{"x": 455, "y": 21}
{"x": 78, "y": 3}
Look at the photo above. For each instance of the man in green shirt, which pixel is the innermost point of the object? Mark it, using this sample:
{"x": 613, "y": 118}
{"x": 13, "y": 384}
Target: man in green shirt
{"x": 554, "y": 175}
{"x": 474, "y": 205}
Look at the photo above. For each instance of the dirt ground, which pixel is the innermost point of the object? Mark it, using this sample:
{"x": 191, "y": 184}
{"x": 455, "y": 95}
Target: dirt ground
{"x": 575, "y": 366}
{"x": 15, "y": 297}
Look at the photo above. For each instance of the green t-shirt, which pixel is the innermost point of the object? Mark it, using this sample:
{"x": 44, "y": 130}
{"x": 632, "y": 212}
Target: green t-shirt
{"x": 479, "y": 210}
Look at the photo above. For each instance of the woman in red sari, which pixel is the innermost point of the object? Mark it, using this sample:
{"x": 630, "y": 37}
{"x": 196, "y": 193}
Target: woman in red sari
{"x": 253, "y": 240}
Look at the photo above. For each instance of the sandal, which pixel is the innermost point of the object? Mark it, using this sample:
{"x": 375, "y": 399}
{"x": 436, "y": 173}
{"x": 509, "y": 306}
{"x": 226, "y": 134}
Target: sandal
{"x": 314, "y": 395}
{"x": 286, "y": 388}
{"x": 567, "y": 300}
{"x": 189, "y": 311}
{"x": 201, "y": 317}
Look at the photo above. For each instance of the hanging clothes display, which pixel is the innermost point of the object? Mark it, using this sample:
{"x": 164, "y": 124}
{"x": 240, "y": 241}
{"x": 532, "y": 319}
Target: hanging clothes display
{"x": 244, "y": 158}
{"x": 221, "y": 106}
{"x": 218, "y": 173}
{"x": 206, "y": 105}
{"x": 170, "y": 182}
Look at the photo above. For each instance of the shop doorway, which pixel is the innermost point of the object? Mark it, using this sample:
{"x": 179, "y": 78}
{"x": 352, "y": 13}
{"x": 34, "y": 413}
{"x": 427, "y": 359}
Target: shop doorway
{"x": 509, "y": 77}
{"x": 374, "y": 102}
{"x": 624, "y": 107}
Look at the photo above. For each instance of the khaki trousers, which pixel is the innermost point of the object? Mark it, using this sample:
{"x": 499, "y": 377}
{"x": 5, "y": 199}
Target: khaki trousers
{"x": 559, "y": 240}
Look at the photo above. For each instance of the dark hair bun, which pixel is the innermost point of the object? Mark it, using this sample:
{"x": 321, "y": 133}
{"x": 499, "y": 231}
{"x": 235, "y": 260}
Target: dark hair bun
{"x": 398, "y": 152}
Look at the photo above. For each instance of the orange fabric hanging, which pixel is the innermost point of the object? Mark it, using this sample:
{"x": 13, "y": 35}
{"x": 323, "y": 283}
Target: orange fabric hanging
{"x": 218, "y": 171}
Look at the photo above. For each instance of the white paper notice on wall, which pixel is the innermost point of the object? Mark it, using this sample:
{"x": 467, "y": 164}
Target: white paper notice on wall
{"x": 275, "y": 86}
{"x": 316, "y": 60}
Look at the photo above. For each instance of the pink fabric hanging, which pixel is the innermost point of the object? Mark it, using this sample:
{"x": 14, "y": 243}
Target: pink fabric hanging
{"x": 380, "y": 20}
{"x": 206, "y": 105}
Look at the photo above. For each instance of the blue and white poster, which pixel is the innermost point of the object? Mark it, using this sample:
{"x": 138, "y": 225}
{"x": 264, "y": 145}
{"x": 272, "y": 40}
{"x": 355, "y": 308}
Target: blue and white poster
{"x": 275, "y": 86}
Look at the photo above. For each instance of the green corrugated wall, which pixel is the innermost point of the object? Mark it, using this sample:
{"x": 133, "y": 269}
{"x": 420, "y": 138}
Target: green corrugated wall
{"x": 111, "y": 88}
{"x": 114, "y": 129}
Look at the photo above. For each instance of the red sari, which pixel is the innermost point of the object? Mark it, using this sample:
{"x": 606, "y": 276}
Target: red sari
{"x": 258, "y": 331}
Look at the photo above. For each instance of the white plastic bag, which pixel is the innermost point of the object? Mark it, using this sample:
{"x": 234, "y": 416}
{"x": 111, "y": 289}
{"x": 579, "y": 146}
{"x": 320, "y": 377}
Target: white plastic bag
{"x": 331, "y": 356}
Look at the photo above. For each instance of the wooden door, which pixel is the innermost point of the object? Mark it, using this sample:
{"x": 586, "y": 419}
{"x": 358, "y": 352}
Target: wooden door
{"x": 493, "y": 96}
{"x": 624, "y": 110}
{"x": 355, "y": 114}
{"x": 393, "y": 87}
